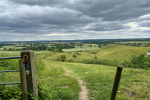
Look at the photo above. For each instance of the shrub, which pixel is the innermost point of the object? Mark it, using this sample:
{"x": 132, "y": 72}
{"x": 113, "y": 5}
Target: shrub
{"x": 62, "y": 58}
{"x": 137, "y": 62}
{"x": 74, "y": 56}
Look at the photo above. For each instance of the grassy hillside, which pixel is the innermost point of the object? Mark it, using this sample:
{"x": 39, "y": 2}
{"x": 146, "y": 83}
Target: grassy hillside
{"x": 80, "y": 48}
{"x": 55, "y": 82}
{"x": 109, "y": 52}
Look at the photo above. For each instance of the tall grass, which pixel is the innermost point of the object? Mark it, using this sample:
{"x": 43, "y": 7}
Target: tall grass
{"x": 9, "y": 64}
{"x": 134, "y": 83}
{"x": 13, "y": 91}
{"x": 53, "y": 84}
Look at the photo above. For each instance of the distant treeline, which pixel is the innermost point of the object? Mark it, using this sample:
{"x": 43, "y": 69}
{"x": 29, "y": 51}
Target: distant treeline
{"x": 88, "y": 40}
{"x": 99, "y": 43}
{"x": 6, "y": 44}
{"x": 57, "y": 47}
{"x": 64, "y": 44}
{"x": 135, "y": 44}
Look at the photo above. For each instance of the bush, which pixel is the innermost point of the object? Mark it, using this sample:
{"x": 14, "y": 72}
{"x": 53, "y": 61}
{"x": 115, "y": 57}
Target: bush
{"x": 62, "y": 58}
{"x": 74, "y": 56}
{"x": 137, "y": 62}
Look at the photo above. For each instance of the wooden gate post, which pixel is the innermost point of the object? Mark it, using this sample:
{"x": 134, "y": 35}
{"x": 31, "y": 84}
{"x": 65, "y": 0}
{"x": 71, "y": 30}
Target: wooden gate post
{"x": 31, "y": 76}
{"x": 23, "y": 80}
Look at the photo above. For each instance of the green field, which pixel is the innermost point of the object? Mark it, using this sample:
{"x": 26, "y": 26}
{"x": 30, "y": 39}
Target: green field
{"x": 10, "y": 52}
{"x": 1, "y": 48}
{"x": 60, "y": 80}
{"x": 13, "y": 47}
{"x": 80, "y": 48}
{"x": 109, "y": 52}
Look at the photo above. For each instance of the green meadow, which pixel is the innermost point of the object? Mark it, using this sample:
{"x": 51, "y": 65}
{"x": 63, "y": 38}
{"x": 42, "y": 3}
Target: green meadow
{"x": 109, "y": 52}
{"x": 80, "y": 48}
{"x": 59, "y": 80}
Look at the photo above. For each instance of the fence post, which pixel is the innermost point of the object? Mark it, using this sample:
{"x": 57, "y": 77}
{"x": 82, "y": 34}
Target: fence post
{"x": 23, "y": 79}
{"x": 116, "y": 82}
{"x": 31, "y": 76}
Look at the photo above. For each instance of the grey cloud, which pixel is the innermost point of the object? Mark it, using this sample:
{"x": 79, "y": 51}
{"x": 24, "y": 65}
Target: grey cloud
{"x": 108, "y": 26}
{"x": 71, "y": 16}
{"x": 144, "y": 3}
{"x": 111, "y": 10}
{"x": 39, "y": 2}
{"x": 144, "y": 24}
{"x": 23, "y": 18}
{"x": 144, "y": 18}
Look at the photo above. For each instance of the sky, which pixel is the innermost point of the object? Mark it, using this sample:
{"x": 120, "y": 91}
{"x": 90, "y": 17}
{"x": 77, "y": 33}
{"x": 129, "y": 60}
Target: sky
{"x": 33, "y": 20}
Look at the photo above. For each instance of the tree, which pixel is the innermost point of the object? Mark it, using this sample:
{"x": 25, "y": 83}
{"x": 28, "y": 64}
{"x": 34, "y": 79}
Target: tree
{"x": 5, "y": 49}
{"x": 99, "y": 45}
{"x": 58, "y": 50}
{"x": 34, "y": 44}
{"x": 10, "y": 49}
{"x": 31, "y": 44}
